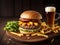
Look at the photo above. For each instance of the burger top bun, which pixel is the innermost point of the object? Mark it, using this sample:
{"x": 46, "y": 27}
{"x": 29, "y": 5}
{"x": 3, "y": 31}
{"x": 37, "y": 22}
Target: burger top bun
{"x": 30, "y": 14}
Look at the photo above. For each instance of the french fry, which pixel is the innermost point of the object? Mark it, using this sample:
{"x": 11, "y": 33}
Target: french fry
{"x": 49, "y": 31}
{"x": 17, "y": 34}
{"x": 43, "y": 24}
{"x": 38, "y": 34}
{"x": 42, "y": 31}
{"x": 59, "y": 28}
{"x": 42, "y": 35}
{"x": 34, "y": 34}
{"x": 55, "y": 31}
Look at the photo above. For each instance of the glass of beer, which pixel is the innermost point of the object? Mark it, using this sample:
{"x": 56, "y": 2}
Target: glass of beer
{"x": 50, "y": 15}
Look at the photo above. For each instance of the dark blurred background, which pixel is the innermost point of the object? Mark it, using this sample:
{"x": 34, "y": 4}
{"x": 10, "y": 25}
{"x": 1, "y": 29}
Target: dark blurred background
{"x": 13, "y": 8}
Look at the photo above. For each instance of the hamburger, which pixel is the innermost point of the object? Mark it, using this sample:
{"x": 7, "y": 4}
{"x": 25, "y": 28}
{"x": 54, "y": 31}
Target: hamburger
{"x": 30, "y": 22}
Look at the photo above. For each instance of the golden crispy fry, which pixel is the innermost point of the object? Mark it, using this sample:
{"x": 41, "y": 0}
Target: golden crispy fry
{"x": 17, "y": 34}
{"x": 42, "y": 31}
{"x": 43, "y": 24}
{"x": 33, "y": 34}
{"x": 55, "y": 31}
{"x": 49, "y": 31}
{"x": 39, "y": 34}
{"x": 42, "y": 35}
{"x": 59, "y": 28}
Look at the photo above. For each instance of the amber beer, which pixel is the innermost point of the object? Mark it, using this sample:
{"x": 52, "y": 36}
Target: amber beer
{"x": 50, "y": 15}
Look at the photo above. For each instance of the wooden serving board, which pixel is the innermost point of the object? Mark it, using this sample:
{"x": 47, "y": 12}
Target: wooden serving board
{"x": 31, "y": 38}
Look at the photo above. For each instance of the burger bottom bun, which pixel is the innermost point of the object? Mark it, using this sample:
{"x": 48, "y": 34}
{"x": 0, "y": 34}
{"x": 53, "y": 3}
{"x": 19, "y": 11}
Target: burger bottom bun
{"x": 25, "y": 32}
{"x": 28, "y": 31}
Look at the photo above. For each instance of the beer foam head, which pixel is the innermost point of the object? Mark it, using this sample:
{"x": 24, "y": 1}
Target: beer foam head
{"x": 50, "y": 9}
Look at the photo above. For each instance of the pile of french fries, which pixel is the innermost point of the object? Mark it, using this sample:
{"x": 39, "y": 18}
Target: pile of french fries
{"x": 46, "y": 29}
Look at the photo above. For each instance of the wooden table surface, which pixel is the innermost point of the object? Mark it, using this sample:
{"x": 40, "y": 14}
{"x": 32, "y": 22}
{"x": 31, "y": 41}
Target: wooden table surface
{"x": 5, "y": 40}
